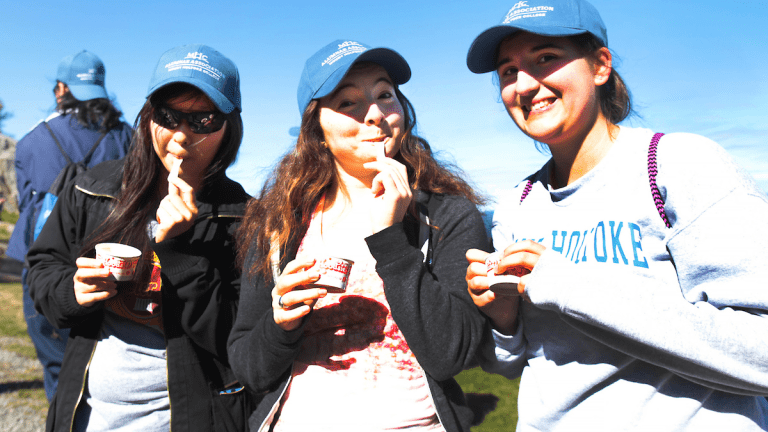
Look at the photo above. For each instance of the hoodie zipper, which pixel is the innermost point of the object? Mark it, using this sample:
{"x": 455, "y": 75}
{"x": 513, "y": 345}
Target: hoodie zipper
{"x": 271, "y": 415}
{"x": 82, "y": 387}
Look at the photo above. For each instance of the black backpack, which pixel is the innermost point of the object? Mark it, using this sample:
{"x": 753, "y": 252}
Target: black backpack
{"x": 70, "y": 171}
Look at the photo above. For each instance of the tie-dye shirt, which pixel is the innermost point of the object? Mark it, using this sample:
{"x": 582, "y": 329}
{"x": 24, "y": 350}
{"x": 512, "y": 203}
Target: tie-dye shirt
{"x": 354, "y": 367}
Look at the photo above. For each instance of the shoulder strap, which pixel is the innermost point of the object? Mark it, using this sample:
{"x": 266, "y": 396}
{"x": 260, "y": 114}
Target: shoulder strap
{"x": 527, "y": 190}
{"x": 58, "y": 144}
{"x": 66, "y": 156}
{"x": 93, "y": 149}
{"x": 652, "y": 171}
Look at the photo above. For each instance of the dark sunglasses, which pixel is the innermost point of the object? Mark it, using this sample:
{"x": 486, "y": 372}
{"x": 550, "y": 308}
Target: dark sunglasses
{"x": 200, "y": 122}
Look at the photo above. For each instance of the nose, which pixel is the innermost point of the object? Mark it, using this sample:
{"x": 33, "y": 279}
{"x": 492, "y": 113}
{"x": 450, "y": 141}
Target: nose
{"x": 181, "y": 133}
{"x": 526, "y": 84}
{"x": 375, "y": 115}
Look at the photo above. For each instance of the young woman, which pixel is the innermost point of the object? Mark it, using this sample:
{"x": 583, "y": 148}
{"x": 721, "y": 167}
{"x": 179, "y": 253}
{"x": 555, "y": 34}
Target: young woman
{"x": 358, "y": 185}
{"x": 150, "y": 354}
{"x": 636, "y": 314}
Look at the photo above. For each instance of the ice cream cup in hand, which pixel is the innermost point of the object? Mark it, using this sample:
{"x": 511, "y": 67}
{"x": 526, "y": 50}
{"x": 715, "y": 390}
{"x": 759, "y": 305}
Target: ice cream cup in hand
{"x": 334, "y": 274}
{"x": 120, "y": 259}
{"x": 502, "y": 284}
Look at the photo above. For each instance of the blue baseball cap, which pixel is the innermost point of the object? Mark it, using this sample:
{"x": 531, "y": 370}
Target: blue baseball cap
{"x": 541, "y": 17}
{"x": 203, "y": 67}
{"x": 84, "y": 74}
{"x": 327, "y": 67}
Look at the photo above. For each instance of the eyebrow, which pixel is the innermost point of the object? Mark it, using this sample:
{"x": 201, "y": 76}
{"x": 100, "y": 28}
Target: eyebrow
{"x": 343, "y": 86}
{"x": 533, "y": 50}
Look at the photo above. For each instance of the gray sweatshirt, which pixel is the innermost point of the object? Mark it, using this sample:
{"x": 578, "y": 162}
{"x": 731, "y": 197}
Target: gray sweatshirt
{"x": 632, "y": 325}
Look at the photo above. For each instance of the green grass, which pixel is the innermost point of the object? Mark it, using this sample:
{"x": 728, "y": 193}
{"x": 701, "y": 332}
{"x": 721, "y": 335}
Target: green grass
{"x": 482, "y": 386}
{"x": 11, "y": 311}
{"x": 12, "y": 324}
{"x": 9, "y": 217}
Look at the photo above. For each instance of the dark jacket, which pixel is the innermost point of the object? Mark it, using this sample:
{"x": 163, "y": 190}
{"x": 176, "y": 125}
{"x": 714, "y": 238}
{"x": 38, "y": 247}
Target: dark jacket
{"x": 200, "y": 286}
{"x": 429, "y": 303}
{"x": 38, "y": 161}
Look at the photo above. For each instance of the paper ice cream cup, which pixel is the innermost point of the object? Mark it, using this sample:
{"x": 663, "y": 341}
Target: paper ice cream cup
{"x": 334, "y": 274}
{"x": 503, "y": 284}
{"x": 120, "y": 259}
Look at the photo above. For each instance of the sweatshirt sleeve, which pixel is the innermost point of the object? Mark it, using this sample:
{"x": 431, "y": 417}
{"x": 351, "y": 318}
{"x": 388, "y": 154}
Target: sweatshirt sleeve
{"x": 432, "y": 308}
{"x": 260, "y": 352}
{"x": 710, "y": 325}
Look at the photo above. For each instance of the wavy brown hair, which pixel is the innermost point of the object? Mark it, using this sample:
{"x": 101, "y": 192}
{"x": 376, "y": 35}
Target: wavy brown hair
{"x": 284, "y": 207}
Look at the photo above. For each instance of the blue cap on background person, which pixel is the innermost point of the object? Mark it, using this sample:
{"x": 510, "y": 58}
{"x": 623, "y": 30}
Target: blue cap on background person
{"x": 203, "y": 67}
{"x": 541, "y": 17}
{"x": 84, "y": 74}
{"x": 327, "y": 67}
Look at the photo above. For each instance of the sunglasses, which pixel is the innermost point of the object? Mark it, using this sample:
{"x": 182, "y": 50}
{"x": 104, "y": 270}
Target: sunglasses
{"x": 200, "y": 122}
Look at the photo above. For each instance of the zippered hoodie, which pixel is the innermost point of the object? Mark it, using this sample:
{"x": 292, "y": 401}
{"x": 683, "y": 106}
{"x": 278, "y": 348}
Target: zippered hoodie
{"x": 200, "y": 286}
{"x": 429, "y": 303}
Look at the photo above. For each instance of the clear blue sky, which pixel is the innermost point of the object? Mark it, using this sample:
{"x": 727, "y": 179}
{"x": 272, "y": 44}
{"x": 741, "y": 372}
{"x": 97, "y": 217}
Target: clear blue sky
{"x": 696, "y": 66}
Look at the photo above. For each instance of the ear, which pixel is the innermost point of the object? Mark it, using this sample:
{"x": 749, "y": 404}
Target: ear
{"x": 61, "y": 89}
{"x": 602, "y": 65}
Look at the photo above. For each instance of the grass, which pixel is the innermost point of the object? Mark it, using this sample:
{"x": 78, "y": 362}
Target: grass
{"x": 9, "y": 217}
{"x": 12, "y": 325}
{"x": 492, "y": 395}
{"x": 497, "y": 396}
{"x": 12, "y": 322}
{"x": 11, "y": 314}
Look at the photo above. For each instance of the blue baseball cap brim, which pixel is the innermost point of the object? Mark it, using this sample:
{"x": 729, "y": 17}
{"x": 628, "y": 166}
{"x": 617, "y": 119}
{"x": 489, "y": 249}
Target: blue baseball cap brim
{"x": 222, "y": 103}
{"x": 317, "y": 82}
{"x": 482, "y": 54}
{"x": 87, "y": 91}
{"x": 391, "y": 61}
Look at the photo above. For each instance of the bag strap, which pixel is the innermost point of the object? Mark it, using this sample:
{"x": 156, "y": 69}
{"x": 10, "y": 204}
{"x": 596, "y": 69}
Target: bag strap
{"x": 527, "y": 190}
{"x": 66, "y": 156}
{"x": 58, "y": 144}
{"x": 652, "y": 171}
{"x": 87, "y": 157}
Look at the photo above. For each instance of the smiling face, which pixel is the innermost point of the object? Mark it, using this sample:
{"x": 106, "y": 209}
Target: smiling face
{"x": 550, "y": 87}
{"x": 195, "y": 150}
{"x": 361, "y": 114}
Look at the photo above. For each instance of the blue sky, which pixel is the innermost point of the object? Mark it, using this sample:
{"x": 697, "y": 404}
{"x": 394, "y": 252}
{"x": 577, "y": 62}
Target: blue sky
{"x": 692, "y": 65}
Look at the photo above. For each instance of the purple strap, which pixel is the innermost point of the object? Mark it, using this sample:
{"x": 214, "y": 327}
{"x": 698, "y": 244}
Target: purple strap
{"x": 652, "y": 171}
{"x": 526, "y": 191}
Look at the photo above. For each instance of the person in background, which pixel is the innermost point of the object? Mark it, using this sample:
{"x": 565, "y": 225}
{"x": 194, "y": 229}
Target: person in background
{"x": 84, "y": 115}
{"x": 643, "y": 303}
{"x": 150, "y": 354}
{"x": 360, "y": 185}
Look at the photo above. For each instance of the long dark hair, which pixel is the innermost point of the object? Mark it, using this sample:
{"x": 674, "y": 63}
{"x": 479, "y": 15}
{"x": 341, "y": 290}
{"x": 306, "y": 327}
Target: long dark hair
{"x": 286, "y": 202}
{"x": 95, "y": 113}
{"x": 127, "y": 223}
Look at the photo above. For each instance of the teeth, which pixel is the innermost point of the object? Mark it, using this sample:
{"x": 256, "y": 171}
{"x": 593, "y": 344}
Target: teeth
{"x": 540, "y": 105}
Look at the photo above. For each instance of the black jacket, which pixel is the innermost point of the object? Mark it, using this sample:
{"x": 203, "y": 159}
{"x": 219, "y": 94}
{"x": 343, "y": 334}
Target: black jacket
{"x": 429, "y": 303}
{"x": 200, "y": 286}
